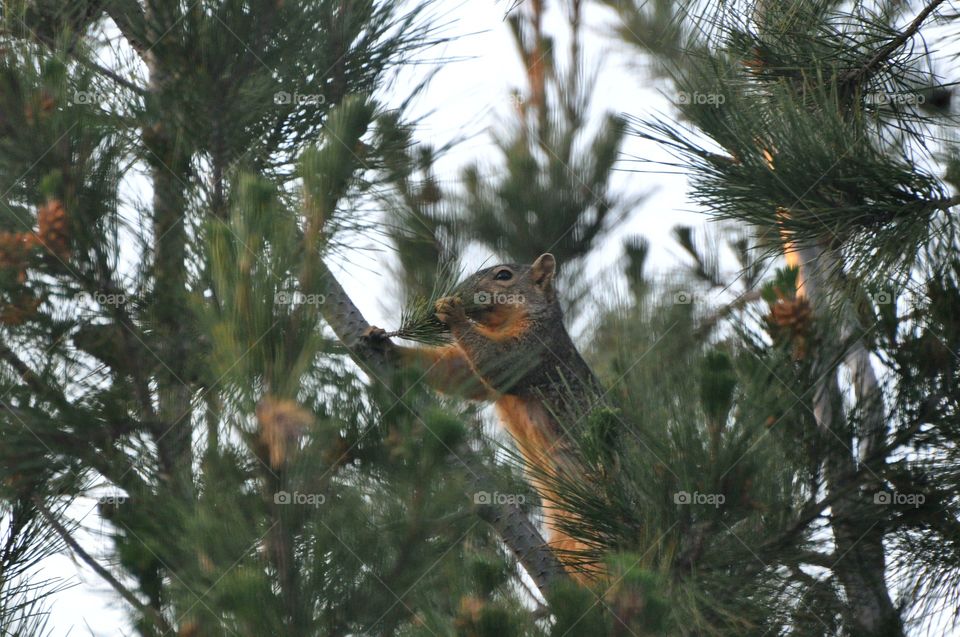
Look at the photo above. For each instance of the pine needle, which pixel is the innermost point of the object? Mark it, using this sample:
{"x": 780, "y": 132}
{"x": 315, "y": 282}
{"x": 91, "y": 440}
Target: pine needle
{"x": 418, "y": 321}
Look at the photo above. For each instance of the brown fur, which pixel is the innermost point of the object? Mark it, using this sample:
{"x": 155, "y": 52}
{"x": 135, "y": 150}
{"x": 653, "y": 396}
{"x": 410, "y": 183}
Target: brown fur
{"x": 447, "y": 369}
{"x": 504, "y": 324}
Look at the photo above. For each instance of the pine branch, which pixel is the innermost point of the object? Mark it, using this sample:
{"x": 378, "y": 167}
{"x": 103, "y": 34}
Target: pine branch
{"x": 418, "y": 321}
{"x": 851, "y": 481}
{"x": 125, "y": 14}
{"x": 125, "y": 592}
{"x": 944, "y": 204}
{"x": 886, "y": 50}
{"x": 26, "y": 374}
{"x": 167, "y": 157}
{"x": 116, "y": 77}
{"x": 104, "y": 283}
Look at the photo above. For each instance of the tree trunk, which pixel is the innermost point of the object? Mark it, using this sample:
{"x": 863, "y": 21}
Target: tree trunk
{"x": 861, "y": 565}
{"x": 169, "y": 172}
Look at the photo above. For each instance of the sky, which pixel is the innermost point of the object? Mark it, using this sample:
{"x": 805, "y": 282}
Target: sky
{"x": 468, "y": 97}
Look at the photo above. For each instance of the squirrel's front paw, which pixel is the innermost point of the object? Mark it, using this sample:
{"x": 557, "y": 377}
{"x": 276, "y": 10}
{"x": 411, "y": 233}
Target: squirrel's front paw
{"x": 449, "y": 310}
{"x": 376, "y": 339}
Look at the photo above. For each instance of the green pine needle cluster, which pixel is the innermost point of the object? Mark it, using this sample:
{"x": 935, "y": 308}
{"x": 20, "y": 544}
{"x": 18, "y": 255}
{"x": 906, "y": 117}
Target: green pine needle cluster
{"x": 418, "y": 321}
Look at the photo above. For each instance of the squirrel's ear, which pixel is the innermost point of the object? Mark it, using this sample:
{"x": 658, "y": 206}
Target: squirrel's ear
{"x": 543, "y": 270}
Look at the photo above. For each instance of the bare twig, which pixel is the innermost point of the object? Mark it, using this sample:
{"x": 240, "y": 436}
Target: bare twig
{"x": 125, "y": 592}
{"x": 28, "y": 376}
{"x": 884, "y": 52}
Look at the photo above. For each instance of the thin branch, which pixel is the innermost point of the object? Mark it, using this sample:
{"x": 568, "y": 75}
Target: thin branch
{"x": 884, "y": 52}
{"x": 851, "y": 482}
{"x": 28, "y": 376}
{"x": 943, "y": 204}
{"x": 119, "y": 79}
{"x": 125, "y": 592}
{"x": 816, "y": 558}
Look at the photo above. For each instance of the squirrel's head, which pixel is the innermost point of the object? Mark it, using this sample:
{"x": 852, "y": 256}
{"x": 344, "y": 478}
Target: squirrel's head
{"x": 510, "y": 286}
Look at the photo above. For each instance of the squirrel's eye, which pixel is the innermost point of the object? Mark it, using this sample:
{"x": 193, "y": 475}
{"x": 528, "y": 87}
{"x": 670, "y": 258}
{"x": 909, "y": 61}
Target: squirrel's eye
{"x": 503, "y": 275}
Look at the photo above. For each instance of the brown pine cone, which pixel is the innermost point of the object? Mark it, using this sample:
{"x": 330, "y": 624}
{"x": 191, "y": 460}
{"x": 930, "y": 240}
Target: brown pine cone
{"x": 791, "y": 313}
{"x": 53, "y": 228}
{"x": 14, "y": 247}
{"x": 282, "y": 423}
{"x": 790, "y": 319}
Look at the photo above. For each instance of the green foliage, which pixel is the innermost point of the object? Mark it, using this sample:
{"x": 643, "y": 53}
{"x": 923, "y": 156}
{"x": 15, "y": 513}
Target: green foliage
{"x": 328, "y": 172}
{"x": 717, "y": 384}
{"x": 552, "y": 188}
{"x": 562, "y": 188}
{"x": 418, "y": 321}
{"x": 212, "y": 320}
{"x": 809, "y": 124}
{"x": 576, "y": 611}
{"x": 812, "y": 143}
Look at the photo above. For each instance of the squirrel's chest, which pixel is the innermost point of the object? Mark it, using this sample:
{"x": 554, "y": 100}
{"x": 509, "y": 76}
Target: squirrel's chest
{"x": 529, "y": 422}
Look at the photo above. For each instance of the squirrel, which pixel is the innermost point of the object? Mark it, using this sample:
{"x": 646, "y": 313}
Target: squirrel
{"x": 510, "y": 347}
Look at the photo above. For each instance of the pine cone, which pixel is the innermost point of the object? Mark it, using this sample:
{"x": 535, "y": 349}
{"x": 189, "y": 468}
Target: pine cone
{"x": 467, "y": 621}
{"x": 14, "y": 248}
{"x": 282, "y": 422}
{"x": 792, "y": 314}
{"x": 790, "y": 319}
{"x": 53, "y": 232}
